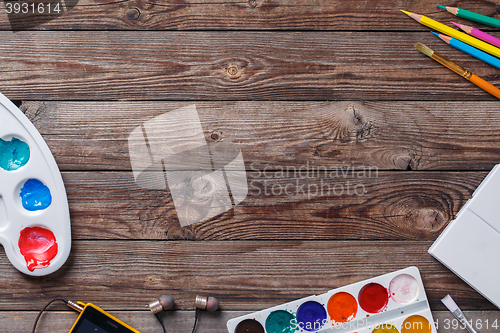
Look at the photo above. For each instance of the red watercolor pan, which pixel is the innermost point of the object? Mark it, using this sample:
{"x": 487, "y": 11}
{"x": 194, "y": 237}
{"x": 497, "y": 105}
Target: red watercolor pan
{"x": 373, "y": 297}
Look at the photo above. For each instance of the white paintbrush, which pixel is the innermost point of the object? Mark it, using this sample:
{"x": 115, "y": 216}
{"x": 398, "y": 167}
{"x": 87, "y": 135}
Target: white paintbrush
{"x": 455, "y": 310}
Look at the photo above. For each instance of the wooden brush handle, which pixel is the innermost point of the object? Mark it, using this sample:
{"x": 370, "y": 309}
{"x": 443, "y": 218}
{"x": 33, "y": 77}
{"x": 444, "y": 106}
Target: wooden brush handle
{"x": 486, "y": 86}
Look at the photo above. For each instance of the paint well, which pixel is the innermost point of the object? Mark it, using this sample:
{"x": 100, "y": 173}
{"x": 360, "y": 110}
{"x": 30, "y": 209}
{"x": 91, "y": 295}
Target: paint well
{"x": 249, "y": 326}
{"x": 4, "y": 220}
{"x": 342, "y": 307}
{"x": 280, "y": 321}
{"x": 373, "y": 298}
{"x": 14, "y": 154}
{"x": 38, "y": 246}
{"x": 35, "y": 195}
{"x": 311, "y": 316}
{"x": 404, "y": 289}
{"x": 385, "y": 328}
{"x": 416, "y": 324}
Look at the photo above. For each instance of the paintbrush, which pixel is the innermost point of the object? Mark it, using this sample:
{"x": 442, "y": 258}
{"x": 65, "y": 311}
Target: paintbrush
{"x": 486, "y": 86}
{"x": 455, "y": 310}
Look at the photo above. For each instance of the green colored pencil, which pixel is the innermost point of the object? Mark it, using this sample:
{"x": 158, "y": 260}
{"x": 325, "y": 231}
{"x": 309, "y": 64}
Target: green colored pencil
{"x": 472, "y": 16}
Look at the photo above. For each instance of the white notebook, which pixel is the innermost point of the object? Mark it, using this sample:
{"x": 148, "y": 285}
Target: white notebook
{"x": 470, "y": 244}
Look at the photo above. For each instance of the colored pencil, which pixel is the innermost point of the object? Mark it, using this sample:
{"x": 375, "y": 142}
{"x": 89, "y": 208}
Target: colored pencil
{"x": 472, "y": 16}
{"x": 486, "y": 86}
{"x": 470, "y": 50}
{"x": 479, "y": 34}
{"x": 435, "y": 25}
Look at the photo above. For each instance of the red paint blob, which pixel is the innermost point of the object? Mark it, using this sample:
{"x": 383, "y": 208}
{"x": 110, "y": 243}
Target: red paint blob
{"x": 373, "y": 298}
{"x": 38, "y": 246}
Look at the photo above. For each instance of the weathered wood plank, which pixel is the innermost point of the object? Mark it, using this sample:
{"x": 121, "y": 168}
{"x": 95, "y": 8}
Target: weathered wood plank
{"x": 232, "y": 66}
{"x": 387, "y": 205}
{"x": 273, "y": 135}
{"x": 241, "y": 14}
{"x": 182, "y": 321}
{"x": 250, "y": 275}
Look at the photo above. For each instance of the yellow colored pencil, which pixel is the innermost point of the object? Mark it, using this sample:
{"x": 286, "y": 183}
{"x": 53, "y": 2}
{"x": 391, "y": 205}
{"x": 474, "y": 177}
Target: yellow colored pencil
{"x": 454, "y": 33}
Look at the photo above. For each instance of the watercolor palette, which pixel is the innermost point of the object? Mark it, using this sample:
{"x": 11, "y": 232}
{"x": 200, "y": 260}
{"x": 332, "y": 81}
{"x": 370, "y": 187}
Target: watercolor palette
{"x": 390, "y": 303}
{"x": 35, "y": 228}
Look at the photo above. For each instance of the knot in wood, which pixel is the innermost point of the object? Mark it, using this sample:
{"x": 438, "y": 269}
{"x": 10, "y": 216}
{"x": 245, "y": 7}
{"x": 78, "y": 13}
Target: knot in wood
{"x": 252, "y": 3}
{"x": 216, "y": 135}
{"x": 233, "y": 71}
{"x": 133, "y": 13}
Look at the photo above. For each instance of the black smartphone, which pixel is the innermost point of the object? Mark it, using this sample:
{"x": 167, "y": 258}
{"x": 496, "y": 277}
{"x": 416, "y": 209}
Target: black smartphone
{"x": 95, "y": 320}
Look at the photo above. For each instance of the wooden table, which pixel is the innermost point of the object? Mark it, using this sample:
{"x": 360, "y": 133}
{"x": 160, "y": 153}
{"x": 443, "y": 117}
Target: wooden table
{"x": 294, "y": 84}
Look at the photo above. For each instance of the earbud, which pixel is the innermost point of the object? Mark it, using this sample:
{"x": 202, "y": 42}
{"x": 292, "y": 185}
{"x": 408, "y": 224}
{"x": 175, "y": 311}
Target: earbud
{"x": 165, "y": 302}
{"x": 206, "y": 303}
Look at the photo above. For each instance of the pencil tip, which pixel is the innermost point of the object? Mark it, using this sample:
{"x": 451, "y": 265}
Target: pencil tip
{"x": 457, "y": 24}
{"x": 404, "y": 11}
{"x": 444, "y": 38}
{"x": 443, "y": 7}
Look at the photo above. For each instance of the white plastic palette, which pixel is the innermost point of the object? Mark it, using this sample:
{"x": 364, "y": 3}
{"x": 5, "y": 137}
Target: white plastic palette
{"x": 41, "y": 254}
{"x": 406, "y": 309}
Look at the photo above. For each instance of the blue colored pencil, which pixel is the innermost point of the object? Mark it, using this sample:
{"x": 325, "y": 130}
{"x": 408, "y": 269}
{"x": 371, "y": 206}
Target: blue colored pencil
{"x": 493, "y": 61}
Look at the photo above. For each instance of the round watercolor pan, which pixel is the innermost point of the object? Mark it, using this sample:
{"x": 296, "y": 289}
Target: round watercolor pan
{"x": 35, "y": 228}
{"x": 373, "y": 297}
{"x": 395, "y": 299}
{"x": 404, "y": 289}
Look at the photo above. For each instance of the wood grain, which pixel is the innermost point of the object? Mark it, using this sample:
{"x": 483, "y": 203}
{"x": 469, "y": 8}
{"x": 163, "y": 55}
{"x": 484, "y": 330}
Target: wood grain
{"x": 182, "y": 321}
{"x": 243, "y": 275}
{"x": 387, "y": 205}
{"x": 274, "y": 135}
{"x": 248, "y": 14}
{"x": 232, "y": 66}
{"x": 317, "y": 83}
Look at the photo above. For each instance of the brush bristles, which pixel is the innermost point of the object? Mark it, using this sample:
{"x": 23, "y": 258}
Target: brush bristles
{"x": 424, "y": 49}
{"x": 450, "y": 303}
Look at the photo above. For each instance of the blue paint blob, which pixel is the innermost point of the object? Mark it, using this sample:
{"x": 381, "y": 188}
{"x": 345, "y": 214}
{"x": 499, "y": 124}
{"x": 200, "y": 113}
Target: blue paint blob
{"x": 14, "y": 154}
{"x": 311, "y": 316}
{"x": 280, "y": 321}
{"x": 35, "y": 195}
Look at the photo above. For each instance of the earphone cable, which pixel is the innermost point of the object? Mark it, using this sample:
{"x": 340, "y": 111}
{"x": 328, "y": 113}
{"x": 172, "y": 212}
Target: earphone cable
{"x": 196, "y": 314}
{"x": 161, "y": 322}
{"x": 45, "y": 307}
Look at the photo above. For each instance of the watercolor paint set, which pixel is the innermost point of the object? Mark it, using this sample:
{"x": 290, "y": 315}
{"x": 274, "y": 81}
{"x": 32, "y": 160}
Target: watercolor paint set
{"x": 35, "y": 228}
{"x": 390, "y": 303}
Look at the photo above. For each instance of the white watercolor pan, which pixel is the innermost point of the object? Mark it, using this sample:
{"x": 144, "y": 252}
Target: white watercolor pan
{"x": 34, "y": 213}
{"x": 390, "y": 303}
